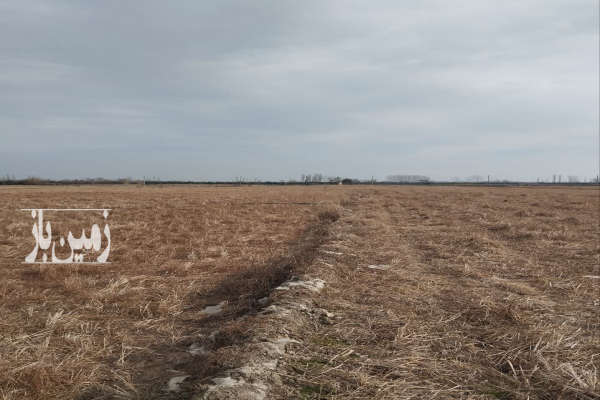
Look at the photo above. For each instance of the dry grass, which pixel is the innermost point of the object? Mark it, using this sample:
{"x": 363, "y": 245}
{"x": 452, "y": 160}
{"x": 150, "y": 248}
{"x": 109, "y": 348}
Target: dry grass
{"x": 120, "y": 330}
{"x": 489, "y": 295}
{"x": 488, "y": 292}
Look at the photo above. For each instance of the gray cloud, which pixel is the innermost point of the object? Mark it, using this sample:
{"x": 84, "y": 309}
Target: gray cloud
{"x": 278, "y": 88}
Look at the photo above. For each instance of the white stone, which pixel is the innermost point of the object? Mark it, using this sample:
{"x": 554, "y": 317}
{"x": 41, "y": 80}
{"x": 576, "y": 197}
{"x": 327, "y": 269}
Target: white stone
{"x": 210, "y": 310}
{"x": 173, "y": 385}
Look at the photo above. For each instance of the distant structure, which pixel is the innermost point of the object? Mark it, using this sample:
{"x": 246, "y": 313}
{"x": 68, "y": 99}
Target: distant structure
{"x": 408, "y": 178}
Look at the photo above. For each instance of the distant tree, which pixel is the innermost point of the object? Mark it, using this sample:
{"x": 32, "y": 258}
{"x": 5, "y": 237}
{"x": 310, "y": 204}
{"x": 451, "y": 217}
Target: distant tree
{"x": 33, "y": 180}
{"x": 573, "y": 179}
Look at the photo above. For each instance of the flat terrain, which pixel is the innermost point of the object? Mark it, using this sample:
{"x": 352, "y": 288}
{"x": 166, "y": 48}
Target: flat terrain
{"x": 446, "y": 292}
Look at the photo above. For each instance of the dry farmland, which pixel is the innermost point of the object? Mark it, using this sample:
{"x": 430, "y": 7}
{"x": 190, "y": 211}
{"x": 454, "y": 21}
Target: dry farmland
{"x": 320, "y": 292}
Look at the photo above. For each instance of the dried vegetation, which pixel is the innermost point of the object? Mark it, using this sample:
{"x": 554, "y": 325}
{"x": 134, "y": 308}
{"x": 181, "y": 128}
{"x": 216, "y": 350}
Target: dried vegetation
{"x": 431, "y": 292}
{"x": 491, "y": 293}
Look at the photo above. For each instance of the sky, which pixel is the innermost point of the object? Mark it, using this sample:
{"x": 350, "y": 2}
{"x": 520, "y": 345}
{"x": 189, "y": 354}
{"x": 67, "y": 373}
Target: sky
{"x": 199, "y": 90}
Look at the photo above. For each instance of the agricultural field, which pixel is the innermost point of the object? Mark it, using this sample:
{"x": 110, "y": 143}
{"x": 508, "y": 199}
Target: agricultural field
{"x": 306, "y": 292}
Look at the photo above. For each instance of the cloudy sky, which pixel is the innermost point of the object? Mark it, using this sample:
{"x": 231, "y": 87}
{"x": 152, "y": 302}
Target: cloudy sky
{"x": 273, "y": 89}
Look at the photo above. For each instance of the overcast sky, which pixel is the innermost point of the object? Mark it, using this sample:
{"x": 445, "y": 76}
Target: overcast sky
{"x": 274, "y": 89}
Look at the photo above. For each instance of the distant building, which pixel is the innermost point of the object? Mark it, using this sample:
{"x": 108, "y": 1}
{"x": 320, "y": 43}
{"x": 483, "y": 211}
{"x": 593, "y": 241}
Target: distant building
{"x": 408, "y": 179}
